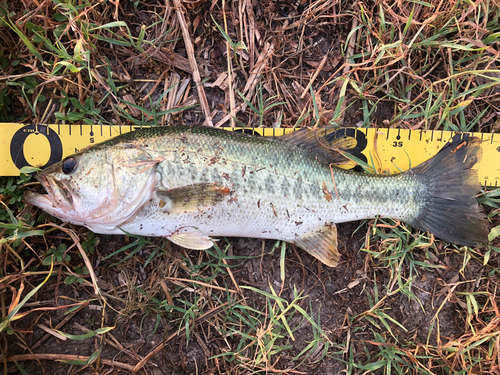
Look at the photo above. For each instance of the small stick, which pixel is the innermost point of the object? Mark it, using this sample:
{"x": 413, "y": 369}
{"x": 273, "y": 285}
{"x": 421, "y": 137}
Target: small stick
{"x": 59, "y": 326}
{"x": 228, "y": 116}
{"x": 148, "y": 163}
{"x": 167, "y": 292}
{"x": 174, "y": 87}
{"x": 160, "y": 78}
{"x": 252, "y": 81}
{"x": 99, "y": 79}
{"x": 232, "y": 276}
{"x": 313, "y": 78}
{"x": 251, "y": 36}
{"x": 164, "y": 100}
{"x": 173, "y": 279}
{"x": 52, "y": 332}
{"x": 229, "y": 70}
{"x": 348, "y": 63}
{"x": 181, "y": 91}
{"x": 64, "y": 357}
{"x": 350, "y": 46}
{"x": 257, "y": 69}
{"x": 192, "y": 61}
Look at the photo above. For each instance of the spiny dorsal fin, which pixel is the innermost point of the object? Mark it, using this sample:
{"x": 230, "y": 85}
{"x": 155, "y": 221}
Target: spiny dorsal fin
{"x": 321, "y": 244}
{"x": 326, "y": 142}
{"x": 196, "y": 197}
{"x": 191, "y": 238}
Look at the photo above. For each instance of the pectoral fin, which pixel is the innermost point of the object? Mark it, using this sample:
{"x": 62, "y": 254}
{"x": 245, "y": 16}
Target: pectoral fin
{"x": 196, "y": 197}
{"x": 191, "y": 238}
{"x": 321, "y": 244}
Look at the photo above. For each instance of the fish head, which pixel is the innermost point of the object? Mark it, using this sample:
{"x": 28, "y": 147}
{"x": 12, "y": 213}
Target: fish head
{"x": 99, "y": 188}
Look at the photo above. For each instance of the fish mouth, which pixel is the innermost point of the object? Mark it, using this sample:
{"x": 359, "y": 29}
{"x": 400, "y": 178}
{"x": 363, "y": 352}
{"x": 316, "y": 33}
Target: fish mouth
{"x": 56, "y": 196}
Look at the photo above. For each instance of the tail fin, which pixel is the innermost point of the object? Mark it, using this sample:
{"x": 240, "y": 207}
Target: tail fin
{"x": 451, "y": 211}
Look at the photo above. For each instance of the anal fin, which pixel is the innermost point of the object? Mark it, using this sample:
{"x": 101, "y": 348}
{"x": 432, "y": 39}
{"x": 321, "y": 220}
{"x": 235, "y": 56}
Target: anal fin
{"x": 321, "y": 244}
{"x": 191, "y": 238}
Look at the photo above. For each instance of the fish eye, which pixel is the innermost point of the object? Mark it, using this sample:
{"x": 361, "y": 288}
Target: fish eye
{"x": 68, "y": 165}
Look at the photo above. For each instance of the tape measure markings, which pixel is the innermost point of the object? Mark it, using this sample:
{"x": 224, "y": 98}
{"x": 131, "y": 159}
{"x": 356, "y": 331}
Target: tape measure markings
{"x": 397, "y": 150}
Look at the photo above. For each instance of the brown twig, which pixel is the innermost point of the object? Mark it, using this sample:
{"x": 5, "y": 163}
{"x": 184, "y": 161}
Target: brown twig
{"x": 251, "y": 33}
{"x": 313, "y": 78}
{"x": 58, "y": 326}
{"x": 173, "y": 279}
{"x": 64, "y": 357}
{"x": 252, "y": 81}
{"x": 232, "y": 276}
{"x": 173, "y": 85}
{"x": 160, "y": 78}
{"x": 229, "y": 70}
{"x": 192, "y": 61}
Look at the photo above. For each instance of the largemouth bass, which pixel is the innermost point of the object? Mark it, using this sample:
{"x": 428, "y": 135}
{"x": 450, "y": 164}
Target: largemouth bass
{"x": 191, "y": 183}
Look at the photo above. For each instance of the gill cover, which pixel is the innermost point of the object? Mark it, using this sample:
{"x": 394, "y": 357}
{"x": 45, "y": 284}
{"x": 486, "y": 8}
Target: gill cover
{"x": 132, "y": 182}
{"x": 100, "y": 188}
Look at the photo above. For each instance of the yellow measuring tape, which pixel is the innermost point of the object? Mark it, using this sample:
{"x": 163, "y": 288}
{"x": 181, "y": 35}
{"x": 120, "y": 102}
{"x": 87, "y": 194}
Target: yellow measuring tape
{"x": 388, "y": 150}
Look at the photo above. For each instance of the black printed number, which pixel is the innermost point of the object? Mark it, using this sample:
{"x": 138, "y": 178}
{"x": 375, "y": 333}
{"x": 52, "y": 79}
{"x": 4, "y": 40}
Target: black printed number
{"x": 397, "y": 144}
{"x": 17, "y": 145}
{"x": 361, "y": 143}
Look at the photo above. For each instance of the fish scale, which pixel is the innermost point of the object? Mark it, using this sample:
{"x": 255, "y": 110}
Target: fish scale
{"x": 271, "y": 184}
{"x": 197, "y": 182}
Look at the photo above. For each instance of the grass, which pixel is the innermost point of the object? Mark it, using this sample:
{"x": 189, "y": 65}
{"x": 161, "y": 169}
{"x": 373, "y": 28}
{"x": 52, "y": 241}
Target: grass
{"x": 400, "y": 302}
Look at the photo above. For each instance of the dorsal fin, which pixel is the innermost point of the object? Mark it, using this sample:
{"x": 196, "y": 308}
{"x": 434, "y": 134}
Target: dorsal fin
{"x": 325, "y": 142}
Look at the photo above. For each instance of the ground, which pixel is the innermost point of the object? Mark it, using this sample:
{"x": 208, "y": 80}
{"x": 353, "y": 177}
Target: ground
{"x": 399, "y": 301}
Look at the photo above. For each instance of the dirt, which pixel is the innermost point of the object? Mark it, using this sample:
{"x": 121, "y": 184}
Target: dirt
{"x": 338, "y": 296}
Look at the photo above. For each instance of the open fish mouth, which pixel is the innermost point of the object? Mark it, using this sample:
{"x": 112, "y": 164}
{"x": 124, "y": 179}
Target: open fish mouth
{"x": 56, "y": 196}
